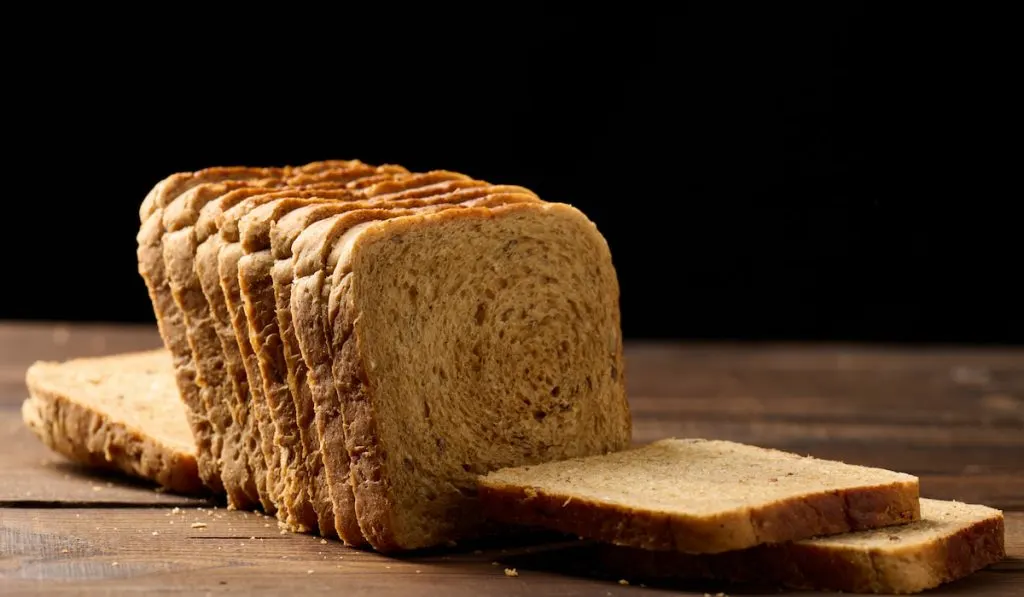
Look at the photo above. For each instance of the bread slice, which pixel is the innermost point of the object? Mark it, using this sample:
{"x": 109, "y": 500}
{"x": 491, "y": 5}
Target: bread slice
{"x": 179, "y": 249}
{"x": 205, "y": 266}
{"x": 949, "y": 542}
{"x": 284, "y": 228}
{"x": 343, "y": 512}
{"x": 309, "y": 508}
{"x": 230, "y": 252}
{"x": 257, "y": 292}
{"x": 120, "y": 413}
{"x": 168, "y": 316}
{"x": 179, "y": 246}
{"x": 700, "y": 496}
{"x": 463, "y": 341}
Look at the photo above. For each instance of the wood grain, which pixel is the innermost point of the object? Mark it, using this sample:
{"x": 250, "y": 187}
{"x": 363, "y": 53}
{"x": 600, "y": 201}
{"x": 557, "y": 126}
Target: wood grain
{"x": 161, "y": 548}
{"x": 953, "y": 416}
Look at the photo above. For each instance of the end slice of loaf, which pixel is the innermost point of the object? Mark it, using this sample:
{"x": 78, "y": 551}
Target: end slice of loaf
{"x": 121, "y": 413}
{"x": 951, "y": 541}
{"x": 464, "y": 341}
{"x": 700, "y": 496}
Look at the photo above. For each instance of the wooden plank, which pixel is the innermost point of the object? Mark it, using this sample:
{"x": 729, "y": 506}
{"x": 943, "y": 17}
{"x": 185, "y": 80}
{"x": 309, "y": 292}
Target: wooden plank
{"x": 67, "y": 550}
{"x": 33, "y": 474}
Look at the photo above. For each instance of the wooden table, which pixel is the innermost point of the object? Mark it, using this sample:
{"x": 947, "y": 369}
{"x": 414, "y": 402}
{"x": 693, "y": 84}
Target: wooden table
{"x": 953, "y": 416}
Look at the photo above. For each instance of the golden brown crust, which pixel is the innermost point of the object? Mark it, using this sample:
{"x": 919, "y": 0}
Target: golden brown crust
{"x": 173, "y": 333}
{"x": 812, "y": 565}
{"x": 798, "y": 518}
{"x": 87, "y": 437}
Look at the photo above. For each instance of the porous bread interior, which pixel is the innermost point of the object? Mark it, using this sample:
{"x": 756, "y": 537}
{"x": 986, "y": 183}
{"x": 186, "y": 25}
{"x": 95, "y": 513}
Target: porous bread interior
{"x": 939, "y": 519}
{"x": 489, "y": 338}
{"x": 694, "y": 477}
{"x": 137, "y": 390}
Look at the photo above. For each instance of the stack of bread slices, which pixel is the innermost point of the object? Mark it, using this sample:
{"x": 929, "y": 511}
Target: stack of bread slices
{"x": 403, "y": 360}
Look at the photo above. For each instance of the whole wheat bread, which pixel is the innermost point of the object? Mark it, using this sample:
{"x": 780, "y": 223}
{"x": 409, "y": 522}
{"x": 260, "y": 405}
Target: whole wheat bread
{"x": 284, "y": 228}
{"x": 179, "y": 246}
{"x": 949, "y": 542}
{"x": 169, "y": 318}
{"x": 213, "y": 369}
{"x": 306, "y": 499}
{"x": 229, "y": 255}
{"x": 205, "y": 266}
{"x": 464, "y": 341}
{"x": 312, "y": 264}
{"x": 120, "y": 413}
{"x": 700, "y": 496}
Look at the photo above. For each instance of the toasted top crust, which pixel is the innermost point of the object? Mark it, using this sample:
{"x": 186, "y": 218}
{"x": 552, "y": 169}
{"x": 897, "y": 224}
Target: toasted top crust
{"x": 167, "y": 189}
{"x": 285, "y": 231}
{"x": 185, "y": 210}
{"x": 172, "y": 186}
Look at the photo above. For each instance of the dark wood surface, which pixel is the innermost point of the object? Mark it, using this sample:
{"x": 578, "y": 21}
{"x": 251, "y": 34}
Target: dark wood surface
{"x": 953, "y": 416}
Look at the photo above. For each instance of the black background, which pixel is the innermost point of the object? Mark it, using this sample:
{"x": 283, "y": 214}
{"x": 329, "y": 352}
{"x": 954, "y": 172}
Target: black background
{"x": 761, "y": 171}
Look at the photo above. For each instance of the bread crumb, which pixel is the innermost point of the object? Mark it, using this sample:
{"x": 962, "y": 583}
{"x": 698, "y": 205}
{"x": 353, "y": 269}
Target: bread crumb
{"x": 113, "y": 563}
{"x": 64, "y": 551}
{"x": 419, "y": 572}
{"x": 97, "y": 488}
{"x": 566, "y": 503}
{"x": 155, "y": 533}
{"x": 284, "y": 531}
{"x": 511, "y": 572}
{"x": 323, "y": 542}
{"x": 623, "y": 582}
{"x": 176, "y": 510}
{"x": 198, "y": 525}
{"x": 309, "y": 572}
{"x": 266, "y": 524}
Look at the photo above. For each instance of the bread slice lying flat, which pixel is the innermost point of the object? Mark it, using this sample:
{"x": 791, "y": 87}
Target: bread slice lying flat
{"x": 120, "y": 413}
{"x": 700, "y": 496}
{"x": 951, "y": 541}
{"x": 464, "y": 341}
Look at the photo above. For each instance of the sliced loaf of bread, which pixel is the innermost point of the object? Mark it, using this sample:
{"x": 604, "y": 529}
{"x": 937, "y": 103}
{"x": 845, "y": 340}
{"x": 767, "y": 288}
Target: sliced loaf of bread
{"x": 204, "y": 266}
{"x": 700, "y": 496}
{"x": 949, "y": 542}
{"x": 229, "y": 255}
{"x": 169, "y": 318}
{"x": 179, "y": 245}
{"x": 310, "y": 507}
{"x": 464, "y": 341}
{"x": 313, "y": 261}
{"x": 120, "y": 413}
{"x": 213, "y": 369}
{"x": 283, "y": 229}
